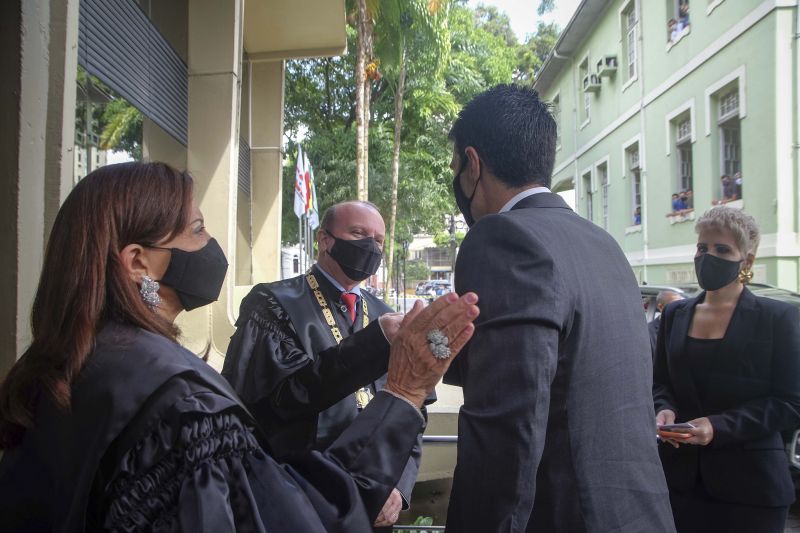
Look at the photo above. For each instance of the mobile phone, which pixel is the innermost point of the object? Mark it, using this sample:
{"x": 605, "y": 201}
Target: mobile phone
{"x": 684, "y": 428}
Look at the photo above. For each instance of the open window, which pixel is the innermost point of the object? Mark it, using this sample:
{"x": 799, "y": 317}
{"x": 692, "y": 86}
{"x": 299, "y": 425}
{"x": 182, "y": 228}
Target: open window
{"x": 583, "y": 75}
{"x": 588, "y": 194}
{"x": 634, "y": 174}
{"x": 730, "y": 146}
{"x": 678, "y": 23}
{"x": 555, "y": 109}
{"x": 630, "y": 24}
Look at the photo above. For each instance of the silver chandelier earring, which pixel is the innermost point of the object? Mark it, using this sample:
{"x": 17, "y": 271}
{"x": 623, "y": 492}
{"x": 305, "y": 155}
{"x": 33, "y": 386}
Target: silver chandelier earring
{"x": 149, "y": 291}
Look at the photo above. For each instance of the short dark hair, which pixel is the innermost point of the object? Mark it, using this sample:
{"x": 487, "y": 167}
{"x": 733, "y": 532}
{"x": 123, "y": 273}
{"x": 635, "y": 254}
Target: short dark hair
{"x": 513, "y": 132}
{"x": 330, "y": 214}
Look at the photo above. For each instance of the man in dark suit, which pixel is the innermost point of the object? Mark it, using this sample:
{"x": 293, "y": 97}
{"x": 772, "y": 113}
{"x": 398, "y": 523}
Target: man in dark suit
{"x": 556, "y": 432}
{"x": 309, "y": 352}
{"x": 662, "y": 299}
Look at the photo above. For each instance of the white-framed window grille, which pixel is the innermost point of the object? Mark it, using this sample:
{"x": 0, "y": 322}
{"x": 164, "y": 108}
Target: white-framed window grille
{"x": 555, "y": 109}
{"x": 630, "y": 53}
{"x": 635, "y": 175}
{"x": 730, "y": 141}
{"x": 602, "y": 171}
{"x": 583, "y": 71}
{"x": 729, "y": 105}
{"x": 588, "y": 195}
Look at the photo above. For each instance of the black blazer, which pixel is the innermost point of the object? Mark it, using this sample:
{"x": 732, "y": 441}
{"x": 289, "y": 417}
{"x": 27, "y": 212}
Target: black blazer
{"x": 752, "y": 395}
{"x": 557, "y": 430}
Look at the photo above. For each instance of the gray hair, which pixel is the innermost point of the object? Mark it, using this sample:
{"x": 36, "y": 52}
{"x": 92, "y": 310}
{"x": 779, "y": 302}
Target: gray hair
{"x": 741, "y": 226}
{"x": 666, "y": 296}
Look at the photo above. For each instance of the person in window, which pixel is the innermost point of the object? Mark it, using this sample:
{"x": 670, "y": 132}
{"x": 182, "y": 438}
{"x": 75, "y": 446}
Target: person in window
{"x": 728, "y": 187}
{"x": 107, "y": 423}
{"x": 683, "y": 19}
{"x": 688, "y": 199}
{"x": 727, "y": 362}
{"x": 737, "y": 180}
{"x": 637, "y": 216}
{"x": 673, "y": 30}
{"x": 678, "y": 204}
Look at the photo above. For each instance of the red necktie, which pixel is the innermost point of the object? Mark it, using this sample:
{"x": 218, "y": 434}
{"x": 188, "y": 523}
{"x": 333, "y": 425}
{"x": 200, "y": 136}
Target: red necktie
{"x": 349, "y": 300}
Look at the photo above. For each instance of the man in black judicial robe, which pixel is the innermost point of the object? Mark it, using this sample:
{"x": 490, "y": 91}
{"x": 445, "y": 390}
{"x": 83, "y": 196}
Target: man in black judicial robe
{"x": 557, "y": 431}
{"x": 284, "y": 360}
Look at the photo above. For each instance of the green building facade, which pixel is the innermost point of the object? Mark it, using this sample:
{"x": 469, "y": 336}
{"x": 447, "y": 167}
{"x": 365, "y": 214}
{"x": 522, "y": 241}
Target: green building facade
{"x": 657, "y": 97}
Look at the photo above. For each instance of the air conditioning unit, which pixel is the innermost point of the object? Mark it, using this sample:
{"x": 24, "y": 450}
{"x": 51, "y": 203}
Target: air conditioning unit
{"x": 607, "y": 66}
{"x": 591, "y": 83}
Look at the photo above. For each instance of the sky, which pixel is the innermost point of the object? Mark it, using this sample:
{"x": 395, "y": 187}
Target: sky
{"x": 523, "y": 13}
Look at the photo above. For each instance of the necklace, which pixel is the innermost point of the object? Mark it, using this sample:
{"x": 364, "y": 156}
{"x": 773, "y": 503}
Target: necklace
{"x": 364, "y": 394}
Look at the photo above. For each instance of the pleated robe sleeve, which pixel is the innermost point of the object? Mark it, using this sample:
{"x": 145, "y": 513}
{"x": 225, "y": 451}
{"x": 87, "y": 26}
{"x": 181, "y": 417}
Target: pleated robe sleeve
{"x": 195, "y": 464}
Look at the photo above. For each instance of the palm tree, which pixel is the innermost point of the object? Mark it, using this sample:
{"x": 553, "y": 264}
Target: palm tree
{"x": 419, "y": 27}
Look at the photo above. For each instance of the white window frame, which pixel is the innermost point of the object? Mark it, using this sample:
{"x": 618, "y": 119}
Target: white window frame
{"x": 557, "y": 98}
{"x": 626, "y": 147}
{"x": 712, "y": 5}
{"x": 623, "y": 32}
{"x": 587, "y": 195}
{"x": 740, "y": 77}
{"x": 672, "y": 115}
{"x": 585, "y": 95}
{"x": 605, "y": 186}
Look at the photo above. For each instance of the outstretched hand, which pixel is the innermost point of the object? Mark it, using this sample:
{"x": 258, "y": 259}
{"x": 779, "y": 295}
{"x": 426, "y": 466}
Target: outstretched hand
{"x": 413, "y": 370}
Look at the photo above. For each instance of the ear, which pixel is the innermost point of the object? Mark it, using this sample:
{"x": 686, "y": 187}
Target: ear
{"x": 473, "y": 163}
{"x": 134, "y": 261}
{"x": 323, "y": 241}
{"x": 748, "y": 261}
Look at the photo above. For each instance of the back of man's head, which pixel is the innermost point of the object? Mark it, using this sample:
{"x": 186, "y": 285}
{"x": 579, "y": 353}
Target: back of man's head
{"x": 665, "y": 297}
{"x": 513, "y": 132}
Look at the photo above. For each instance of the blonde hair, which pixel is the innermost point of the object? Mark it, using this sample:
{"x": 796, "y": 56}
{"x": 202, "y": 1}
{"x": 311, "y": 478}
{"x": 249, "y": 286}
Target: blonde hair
{"x": 741, "y": 226}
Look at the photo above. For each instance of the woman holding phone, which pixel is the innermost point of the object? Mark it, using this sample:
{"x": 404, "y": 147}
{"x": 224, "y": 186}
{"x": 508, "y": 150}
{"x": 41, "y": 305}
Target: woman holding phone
{"x": 727, "y": 365}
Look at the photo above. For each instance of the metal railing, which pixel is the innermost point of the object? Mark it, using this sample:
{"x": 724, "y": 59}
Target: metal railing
{"x": 428, "y": 439}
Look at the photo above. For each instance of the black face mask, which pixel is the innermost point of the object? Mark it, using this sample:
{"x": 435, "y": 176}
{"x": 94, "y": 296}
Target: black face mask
{"x": 196, "y": 276}
{"x": 463, "y": 201}
{"x": 714, "y": 273}
{"x": 358, "y": 259}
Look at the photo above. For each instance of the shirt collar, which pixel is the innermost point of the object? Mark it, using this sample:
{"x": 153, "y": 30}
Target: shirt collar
{"x": 356, "y": 290}
{"x": 519, "y": 196}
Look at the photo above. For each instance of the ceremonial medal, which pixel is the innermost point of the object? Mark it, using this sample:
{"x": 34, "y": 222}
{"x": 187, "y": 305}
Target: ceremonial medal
{"x": 363, "y": 396}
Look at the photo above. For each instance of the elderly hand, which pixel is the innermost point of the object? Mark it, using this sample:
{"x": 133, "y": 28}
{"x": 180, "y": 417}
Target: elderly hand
{"x": 390, "y": 324}
{"x": 391, "y": 510}
{"x": 413, "y": 370}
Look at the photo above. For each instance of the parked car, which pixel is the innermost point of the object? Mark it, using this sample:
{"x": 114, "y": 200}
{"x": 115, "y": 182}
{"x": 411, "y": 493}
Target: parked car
{"x": 433, "y": 288}
{"x": 791, "y": 439}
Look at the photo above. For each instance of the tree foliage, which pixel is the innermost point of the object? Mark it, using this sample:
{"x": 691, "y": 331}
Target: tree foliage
{"x": 476, "y": 52}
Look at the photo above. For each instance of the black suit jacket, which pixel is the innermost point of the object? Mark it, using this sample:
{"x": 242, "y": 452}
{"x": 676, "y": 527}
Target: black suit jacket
{"x": 557, "y": 430}
{"x": 752, "y": 395}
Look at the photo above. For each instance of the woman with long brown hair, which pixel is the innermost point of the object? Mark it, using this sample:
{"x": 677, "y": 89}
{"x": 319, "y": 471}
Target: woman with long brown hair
{"x": 106, "y": 422}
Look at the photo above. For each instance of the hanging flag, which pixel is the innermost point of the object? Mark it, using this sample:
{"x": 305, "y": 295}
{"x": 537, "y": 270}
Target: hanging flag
{"x": 300, "y": 185}
{"x": 313, "y": 207}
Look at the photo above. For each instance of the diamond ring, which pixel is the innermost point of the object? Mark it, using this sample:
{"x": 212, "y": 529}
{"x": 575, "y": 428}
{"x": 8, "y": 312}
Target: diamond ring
{"x": 439, "y": 344}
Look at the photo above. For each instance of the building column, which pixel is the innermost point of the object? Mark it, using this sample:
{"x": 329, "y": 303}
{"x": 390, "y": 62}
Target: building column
{"x": 39, "y": 63}
{"x": 215, "y": 48}
{"x": 158, "y": 145}
{"x": 266, "y": 133}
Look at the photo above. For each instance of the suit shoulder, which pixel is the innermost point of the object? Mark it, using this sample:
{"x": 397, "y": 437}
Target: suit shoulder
{"x": 261, "y": 305}
{"x": 777, "y": 307}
